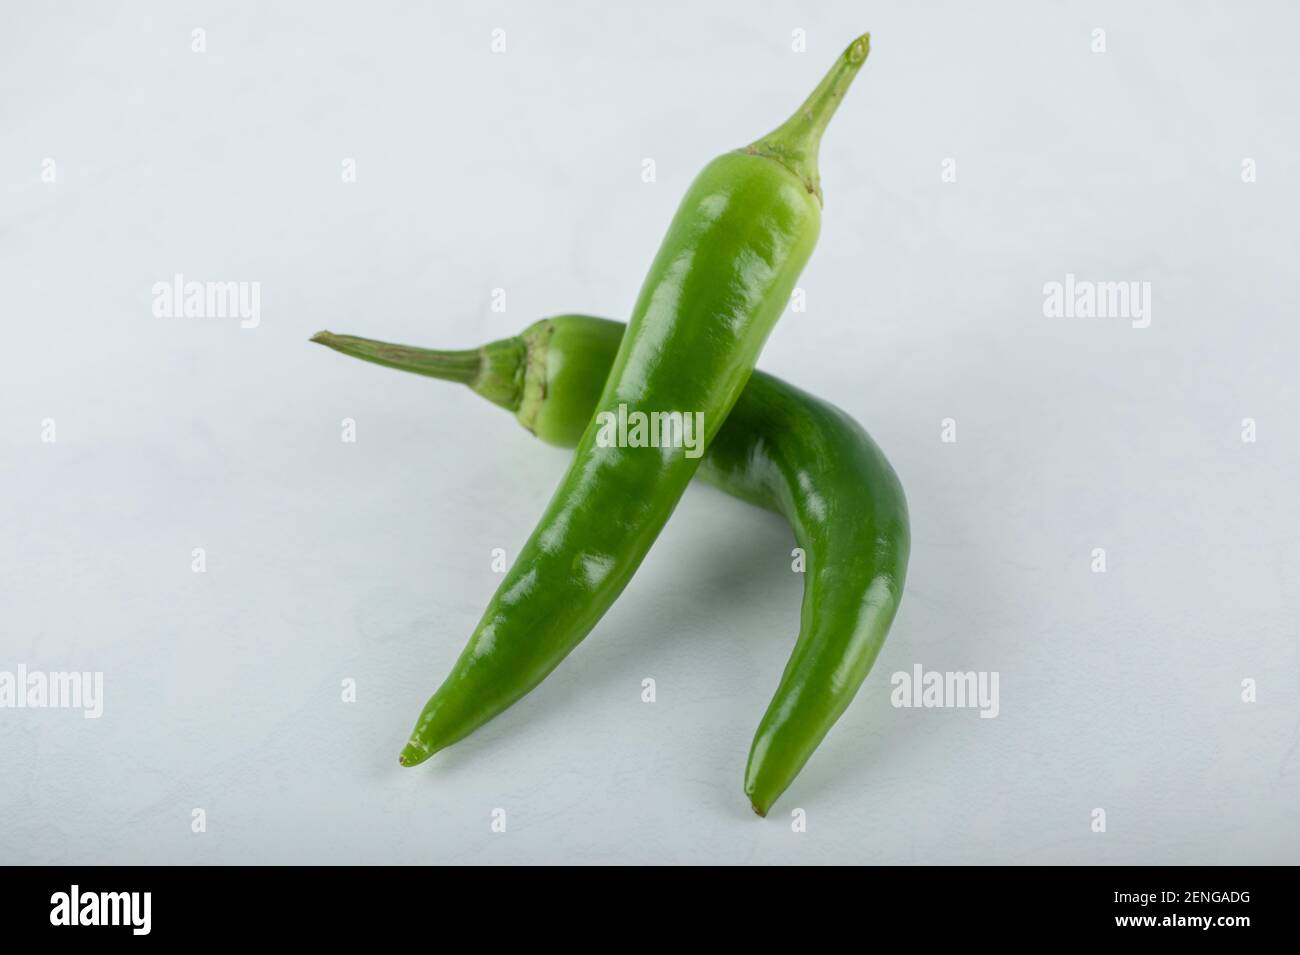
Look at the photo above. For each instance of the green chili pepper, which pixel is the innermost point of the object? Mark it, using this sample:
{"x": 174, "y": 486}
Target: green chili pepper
{"x": 719, "y": 282}
{"x": 781, "y": 449}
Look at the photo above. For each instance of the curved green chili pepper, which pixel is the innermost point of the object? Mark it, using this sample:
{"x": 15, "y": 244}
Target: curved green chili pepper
{"x": 719, "y": 282}
{"x": 781, "y": 449}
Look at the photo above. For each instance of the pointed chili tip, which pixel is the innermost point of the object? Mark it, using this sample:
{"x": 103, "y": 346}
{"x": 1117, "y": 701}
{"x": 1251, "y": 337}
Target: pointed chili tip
{"x": 323, "y": 338}
{"x": 413, "y": 754}
{"x": 756, "y": 802}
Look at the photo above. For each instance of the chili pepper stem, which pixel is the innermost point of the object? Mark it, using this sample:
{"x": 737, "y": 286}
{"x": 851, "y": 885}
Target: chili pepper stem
{"x": 479, "y": 368}
{"x": 795, "y": 142}
{"x": 461, "y": 366}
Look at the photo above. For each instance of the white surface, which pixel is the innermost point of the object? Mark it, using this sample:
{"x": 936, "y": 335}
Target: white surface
{"x": 522, "y": 170}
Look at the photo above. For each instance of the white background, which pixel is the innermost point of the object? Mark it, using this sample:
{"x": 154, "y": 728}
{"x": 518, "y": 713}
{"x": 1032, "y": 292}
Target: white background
{"x": 371, "y": 561}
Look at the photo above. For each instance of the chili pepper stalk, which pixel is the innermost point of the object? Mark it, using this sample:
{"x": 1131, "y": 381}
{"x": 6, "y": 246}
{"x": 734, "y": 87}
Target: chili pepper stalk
{"x": 541, "y": 375}
{"x": 794, "y": 144}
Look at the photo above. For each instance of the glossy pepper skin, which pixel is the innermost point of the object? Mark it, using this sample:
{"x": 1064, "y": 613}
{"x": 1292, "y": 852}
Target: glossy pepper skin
{"x": 718, "y": 284}
{"x": 780, "y": 448}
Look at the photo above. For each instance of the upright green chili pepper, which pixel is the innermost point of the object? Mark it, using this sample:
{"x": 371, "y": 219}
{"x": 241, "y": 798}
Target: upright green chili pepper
{"x": 719, "y": 282}
{"x": 781, "y": 449}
